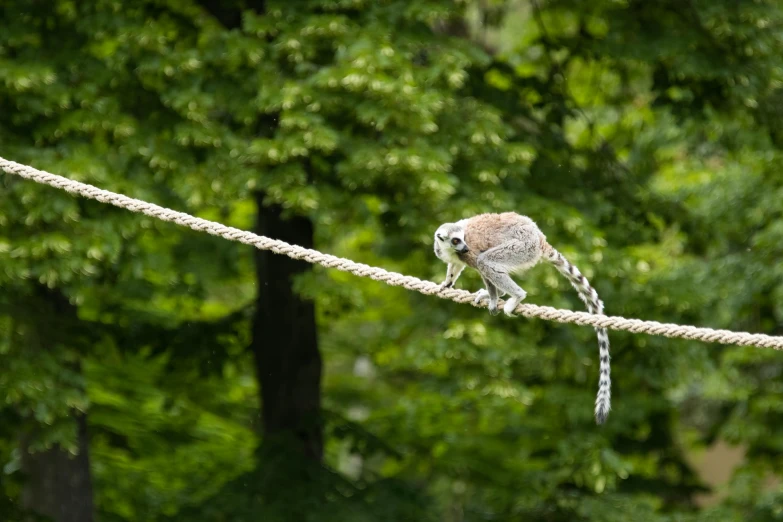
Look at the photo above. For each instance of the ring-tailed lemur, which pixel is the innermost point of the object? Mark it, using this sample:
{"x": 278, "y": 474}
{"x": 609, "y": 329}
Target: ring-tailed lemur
{"x": 497, "y": 245}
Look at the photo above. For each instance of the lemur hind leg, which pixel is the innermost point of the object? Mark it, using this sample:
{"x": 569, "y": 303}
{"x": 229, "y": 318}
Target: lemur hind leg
{"x": 490, "y": 291}
{"x": 496, "y": 264}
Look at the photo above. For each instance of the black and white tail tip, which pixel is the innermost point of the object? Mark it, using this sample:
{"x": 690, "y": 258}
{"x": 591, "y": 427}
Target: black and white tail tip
{"x": 603, "y": 401}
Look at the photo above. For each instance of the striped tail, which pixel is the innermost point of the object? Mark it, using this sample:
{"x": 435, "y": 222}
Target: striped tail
{"x": 587, "y": 293}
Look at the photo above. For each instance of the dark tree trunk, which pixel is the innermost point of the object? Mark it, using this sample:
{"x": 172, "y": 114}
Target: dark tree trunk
{"x": 285, "y": 345}
{"x": 58, "y": 484}
{"x": 285, "y": 342}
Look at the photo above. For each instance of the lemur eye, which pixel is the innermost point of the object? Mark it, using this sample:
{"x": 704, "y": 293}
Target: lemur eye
{"x": 455, "y": 241}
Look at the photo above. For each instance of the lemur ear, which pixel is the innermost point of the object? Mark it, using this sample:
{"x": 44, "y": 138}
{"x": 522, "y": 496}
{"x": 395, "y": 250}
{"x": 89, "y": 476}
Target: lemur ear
{"x": 440, "y": 237}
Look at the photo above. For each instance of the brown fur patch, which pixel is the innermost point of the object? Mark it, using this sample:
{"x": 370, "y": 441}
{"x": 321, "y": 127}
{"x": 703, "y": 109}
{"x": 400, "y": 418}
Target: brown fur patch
{"x": 485, "y": 231}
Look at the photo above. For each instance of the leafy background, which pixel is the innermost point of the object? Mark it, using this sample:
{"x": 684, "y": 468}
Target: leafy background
{"x": 644, "y": 138}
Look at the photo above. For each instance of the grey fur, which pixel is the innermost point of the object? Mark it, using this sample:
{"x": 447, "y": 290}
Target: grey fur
{"x": 498, "y": 245}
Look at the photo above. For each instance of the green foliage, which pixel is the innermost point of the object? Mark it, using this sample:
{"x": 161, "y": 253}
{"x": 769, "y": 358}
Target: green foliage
{"x": 643, "y": 137}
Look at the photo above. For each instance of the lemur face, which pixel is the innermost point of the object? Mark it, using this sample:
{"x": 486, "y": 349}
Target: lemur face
{"x": 451, "y": 237}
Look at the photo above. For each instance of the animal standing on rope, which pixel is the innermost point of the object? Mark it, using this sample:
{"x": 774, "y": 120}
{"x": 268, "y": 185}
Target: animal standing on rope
{"x": 379, "y": 274}
{"x": 498, "y": 245}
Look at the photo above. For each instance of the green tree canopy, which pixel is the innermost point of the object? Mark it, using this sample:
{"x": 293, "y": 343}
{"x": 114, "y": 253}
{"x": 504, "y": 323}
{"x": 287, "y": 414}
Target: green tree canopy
{"x": 643, "y": 138}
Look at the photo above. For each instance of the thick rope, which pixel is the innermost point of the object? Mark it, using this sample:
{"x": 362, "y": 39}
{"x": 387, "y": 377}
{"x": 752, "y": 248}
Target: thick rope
{"x": 379, "y": 274}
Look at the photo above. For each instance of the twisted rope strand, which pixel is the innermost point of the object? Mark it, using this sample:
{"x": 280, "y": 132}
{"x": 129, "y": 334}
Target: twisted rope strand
{"x": 379, "y": 274}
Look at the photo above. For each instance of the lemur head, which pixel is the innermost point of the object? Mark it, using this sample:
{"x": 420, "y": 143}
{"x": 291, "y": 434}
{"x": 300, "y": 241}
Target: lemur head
{"x": 451, "y": 236}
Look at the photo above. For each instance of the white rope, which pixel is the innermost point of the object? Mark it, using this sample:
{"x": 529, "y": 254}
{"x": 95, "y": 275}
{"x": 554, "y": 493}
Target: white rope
{"x": 379, "y": 274}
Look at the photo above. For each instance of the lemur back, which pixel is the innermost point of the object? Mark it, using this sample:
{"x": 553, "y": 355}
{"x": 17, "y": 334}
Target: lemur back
{"x": 486, "y": 231}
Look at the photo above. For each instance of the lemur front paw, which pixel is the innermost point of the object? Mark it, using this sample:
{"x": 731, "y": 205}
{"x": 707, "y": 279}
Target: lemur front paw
{"x": 446, "y": 284}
